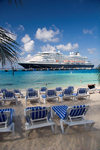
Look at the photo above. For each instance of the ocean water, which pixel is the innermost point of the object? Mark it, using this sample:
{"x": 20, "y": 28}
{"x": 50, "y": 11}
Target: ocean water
{"x": 51, "y": 79}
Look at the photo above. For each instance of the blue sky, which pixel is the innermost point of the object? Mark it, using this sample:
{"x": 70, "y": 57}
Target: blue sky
{"x": 65, "y": 25}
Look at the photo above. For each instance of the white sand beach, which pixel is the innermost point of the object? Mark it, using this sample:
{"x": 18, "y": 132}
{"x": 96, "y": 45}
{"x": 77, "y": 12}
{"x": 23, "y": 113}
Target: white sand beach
{"x": 77, "y": 138}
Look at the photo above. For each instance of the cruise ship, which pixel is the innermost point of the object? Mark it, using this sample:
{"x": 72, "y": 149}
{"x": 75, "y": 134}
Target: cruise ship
{"x": 56, "y": 60}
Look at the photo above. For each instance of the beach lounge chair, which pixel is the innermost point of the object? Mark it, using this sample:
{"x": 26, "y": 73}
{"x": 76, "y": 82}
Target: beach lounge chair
{"x": 18, "y": 93}
{"x": 91, "y": 88}
{"x": 68, "y": 94}
{"x": 43, "y": 90}
{"x": 59, "y": 90}
{"x": 82, "y": 93}
{"x": 32, "y": 96}
{"x": 3, "y": 90}
{"x": 50, "y": 95}
{"x": 6, "y": 120}
{"x": 37, "y": 117}
{"x": 72, "y": 116}
{"x": 10, "y": 96}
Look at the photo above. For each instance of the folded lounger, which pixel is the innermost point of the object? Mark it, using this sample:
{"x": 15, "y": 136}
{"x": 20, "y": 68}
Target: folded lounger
{"x": 6, "y": 120}
{"x": 50, "y": 95}
{"x": 10, "y": 96}
{"x": 18, "y": 93}
{"x": 91, "y": 88}
{"x": 72, "y": 116}
{"x": 32, "y": 96}
{"x": 82, "y": 93}
{"x": 37, "y": 117}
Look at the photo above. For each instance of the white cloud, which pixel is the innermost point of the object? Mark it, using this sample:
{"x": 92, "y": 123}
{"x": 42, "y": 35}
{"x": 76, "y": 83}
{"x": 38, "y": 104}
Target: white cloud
{"x": 28, "y": 43}
{"x": 67, "y": 47}
{"x": 91, "y": 50}
{"x": 47, "y": 35}
{"x": 26, "y": 38}
{"x": 28, "y": 57}
{"x": 48, "y": 47}
{"x": 87, "y": 31}
{"x": 21, "y": 27}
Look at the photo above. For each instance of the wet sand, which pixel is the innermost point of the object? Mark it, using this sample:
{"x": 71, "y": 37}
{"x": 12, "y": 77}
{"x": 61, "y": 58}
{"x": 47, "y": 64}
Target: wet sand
{"x": 77, "y": 138}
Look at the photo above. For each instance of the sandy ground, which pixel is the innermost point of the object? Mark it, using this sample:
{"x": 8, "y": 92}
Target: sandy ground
{"x": 77, "y": 138}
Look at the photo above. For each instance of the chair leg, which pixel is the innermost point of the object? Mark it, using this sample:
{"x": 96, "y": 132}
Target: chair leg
{"x": 52, "y": 113}
{"x": 13, "y": 129}
{"x": 44, "y": 100}
{"x": 27, "y": 133}
{"x": 67, "y": 129}
{"x": 62, "y": 127}
{"x": 52, "y": 128}
{"x": 25, "y": 102}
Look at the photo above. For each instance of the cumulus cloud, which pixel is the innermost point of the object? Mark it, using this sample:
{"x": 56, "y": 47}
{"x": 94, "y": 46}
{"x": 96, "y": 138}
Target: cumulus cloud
{"x": 47, "y": 35}
{"x": 48, "y": 47}
{"x": 28, "y": 43}
{"x": 87, "y": 31}
{"x": 67, "y": 47}
{"x": 21, "y": 27}
{"x": 91, "y": 50}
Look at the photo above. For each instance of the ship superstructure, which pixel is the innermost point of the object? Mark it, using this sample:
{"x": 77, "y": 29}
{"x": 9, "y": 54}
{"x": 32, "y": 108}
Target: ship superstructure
{"x": 57, "y": 60}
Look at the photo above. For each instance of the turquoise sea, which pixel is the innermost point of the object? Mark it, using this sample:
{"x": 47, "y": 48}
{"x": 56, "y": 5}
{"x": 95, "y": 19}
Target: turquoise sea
{"x": 51, "y": 79}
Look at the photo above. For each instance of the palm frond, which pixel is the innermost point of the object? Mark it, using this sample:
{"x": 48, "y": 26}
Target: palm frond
{"x": 9, "y": 48}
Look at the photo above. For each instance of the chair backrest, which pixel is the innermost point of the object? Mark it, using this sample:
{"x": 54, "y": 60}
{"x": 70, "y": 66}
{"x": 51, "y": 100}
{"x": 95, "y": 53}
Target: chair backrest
{"x": 3, "y": 90}
{"x": 9, "y": 94}
{"x": 58, "y": 89}
{"x": 51, "y": 93}
{"x": 30, "y": 90}
{"x": 36, "y": 113}
{"x": 77, "y": 111}
{"x": 16, "y": 91}
{"x": 68, "y": 92}
{"x": 71, "y": 88}
{"x": 32, "y": 93}
{"x": 43, "y": 89}
{"x": 82, "y": 91}
{"x": 6, "y": 115}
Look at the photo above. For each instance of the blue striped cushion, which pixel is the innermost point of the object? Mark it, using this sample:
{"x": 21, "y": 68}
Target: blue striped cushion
{"x": 33, "y": 93}
{"x": 3, "y": 116}
{"x": 71, "y": 88}
{"x": 51, "y": 93}
{"x": 82, "y": 90}
{"x": 8, "y": 95}
{"x": 3, "y": 90}
{"x": 30, "y": 89}
{"x": 37, "y": 112}
{"x": 16, "y": 91}
{"x": 61, "y": 111}
{"x": 43, "y": 89}
{"x": 68, "y": 92}
{"x": 58, "y": 89}
{"x": 78, "y": 110}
